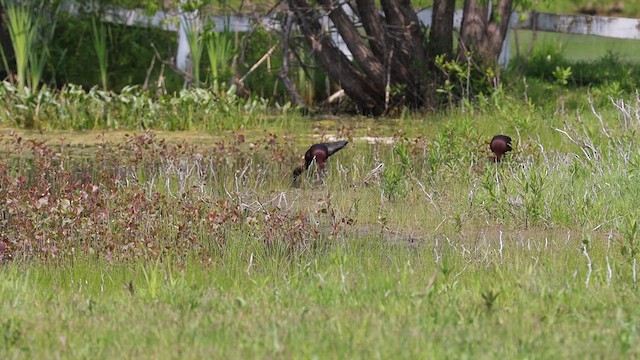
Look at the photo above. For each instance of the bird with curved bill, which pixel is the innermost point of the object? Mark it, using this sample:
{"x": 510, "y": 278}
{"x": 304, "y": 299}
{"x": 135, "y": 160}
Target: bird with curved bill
{"x": 499, "y": 145}
{"x": 318, "y": 153}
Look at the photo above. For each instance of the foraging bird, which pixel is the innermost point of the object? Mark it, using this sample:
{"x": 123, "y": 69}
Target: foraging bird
{"x": 500, "y": 144}
{"x": 319, "y": 152}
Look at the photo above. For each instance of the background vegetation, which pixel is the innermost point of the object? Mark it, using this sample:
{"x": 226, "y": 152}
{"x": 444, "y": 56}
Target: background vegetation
{"x": 70, "y": 55}
{"x": 134, "y": 240}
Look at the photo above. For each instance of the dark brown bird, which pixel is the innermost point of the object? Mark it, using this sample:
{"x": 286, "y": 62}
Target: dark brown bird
{"x": 320, "y": 153}
{"x": 500, "y": 144}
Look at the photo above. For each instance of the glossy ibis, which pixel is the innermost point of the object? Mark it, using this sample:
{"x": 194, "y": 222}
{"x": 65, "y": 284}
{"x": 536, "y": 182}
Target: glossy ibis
{"x": 320, "y": 153}
{"x": 500, "y": 144}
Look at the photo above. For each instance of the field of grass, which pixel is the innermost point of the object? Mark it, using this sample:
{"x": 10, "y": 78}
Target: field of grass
{"x": 155, "y": 244}
{"x": 360, "y": 298}
{"x": 578, "y": 47}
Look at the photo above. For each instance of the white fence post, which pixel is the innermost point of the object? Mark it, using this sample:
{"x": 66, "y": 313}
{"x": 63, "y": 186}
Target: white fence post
{"x": 505, "y": 52}
{"x": 182, "y": 54}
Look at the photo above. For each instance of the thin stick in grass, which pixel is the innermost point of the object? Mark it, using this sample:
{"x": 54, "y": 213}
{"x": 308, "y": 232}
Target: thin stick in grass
{"x": 635, "y": 277}
{"x": 589, "y": 266}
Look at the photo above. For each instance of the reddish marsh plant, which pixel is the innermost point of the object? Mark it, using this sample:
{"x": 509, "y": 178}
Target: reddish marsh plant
{"x": 142, "y": 197}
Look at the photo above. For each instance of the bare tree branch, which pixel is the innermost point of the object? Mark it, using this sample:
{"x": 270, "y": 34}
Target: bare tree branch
{"x": 188, "y": 78}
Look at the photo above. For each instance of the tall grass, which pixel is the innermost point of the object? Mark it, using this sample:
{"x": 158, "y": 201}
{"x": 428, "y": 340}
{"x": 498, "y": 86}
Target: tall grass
{"x": 351, "y": 300}
{"x": 307, "y": 78}
{"x": 30, "y": 35}
{"x": 23, "y": 28}
{"x": 101, "y": 33}
{"x": 39, "y": 54}
{"x": 219, "y": 52}
{"x": 573, "y": 177}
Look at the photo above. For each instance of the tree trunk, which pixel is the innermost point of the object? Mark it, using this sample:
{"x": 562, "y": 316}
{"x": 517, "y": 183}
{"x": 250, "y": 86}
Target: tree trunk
{"x": 371, "y": 66}
{"x": 484, "y": 28}
{"x": 441, "y": 35}
{"x": 409, "y": 50}
{"x": 379, "y": 40}
{"x": 373, "y": 22}
{"x": 404, "y": 29}
{"x": 440, "y": 43}
{"x": 355, "y": 84}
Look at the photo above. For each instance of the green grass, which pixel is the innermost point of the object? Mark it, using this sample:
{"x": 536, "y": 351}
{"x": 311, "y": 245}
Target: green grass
{"x": 578, "y": 47}
{"x": 630, "y": 8}
{"x": 360, "y": 299}
{"x": 121, "y": 237}
{"x": 136, "y": 246}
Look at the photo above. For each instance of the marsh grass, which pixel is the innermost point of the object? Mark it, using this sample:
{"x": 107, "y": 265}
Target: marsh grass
{"x": 23, "y": 31}
{"x": 30, "y": 36}
{"x": 220, "y": 52}
{"x": 100, "y": 35}
{"x": 156, "y": 249}
{"x": 131, "y": 108}
{"x": 360, "y": 298}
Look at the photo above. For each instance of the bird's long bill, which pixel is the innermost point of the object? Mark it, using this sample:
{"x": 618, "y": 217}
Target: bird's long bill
{"x": 335, "y": 146}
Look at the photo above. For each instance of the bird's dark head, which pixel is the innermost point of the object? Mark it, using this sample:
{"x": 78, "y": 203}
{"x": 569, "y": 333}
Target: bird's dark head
{"x": 297, "y": 172}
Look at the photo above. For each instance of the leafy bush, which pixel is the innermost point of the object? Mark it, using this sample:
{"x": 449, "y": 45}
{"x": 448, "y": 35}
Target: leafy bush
{"x": 74, "y": 108}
